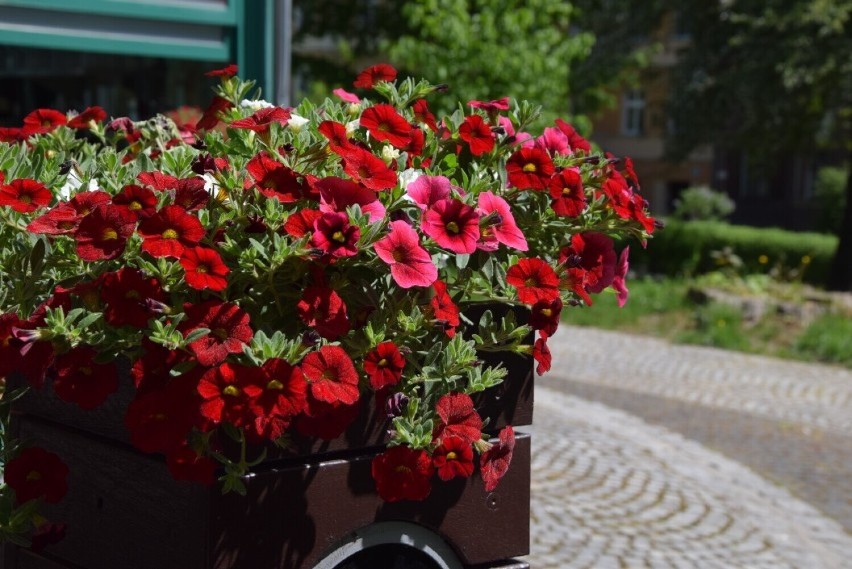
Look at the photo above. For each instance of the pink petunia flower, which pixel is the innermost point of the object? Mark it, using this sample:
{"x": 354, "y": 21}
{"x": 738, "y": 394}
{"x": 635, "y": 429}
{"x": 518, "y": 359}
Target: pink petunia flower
{"x": 504, "y": 230}
{"x": 426, "y": 190}
{"x": 410, "y": 264}
{"x": 453, "y": 225}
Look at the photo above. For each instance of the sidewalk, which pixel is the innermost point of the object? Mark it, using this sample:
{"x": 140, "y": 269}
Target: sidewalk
{"x": 612, "y": 490}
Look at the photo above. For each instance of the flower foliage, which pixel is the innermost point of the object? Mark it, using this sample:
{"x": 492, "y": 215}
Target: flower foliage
{"x": 270, "y": 271}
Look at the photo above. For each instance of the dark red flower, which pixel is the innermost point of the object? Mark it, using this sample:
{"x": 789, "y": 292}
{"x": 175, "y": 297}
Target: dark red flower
{"x": 190, "y": 193}
{"x": 88, "y": 118}
{"x": 25, "y": 195}
{"x": 331, "y": 376}
{"x": 260, "y": 120}
{"x": 228, "y": 71}
{"x": 494, "y": 463}
{"x": 125, "y": 293}
{"x": 158, "y": 181}
{"x": 285, "y": 390}
{"x": 402, "y": 473}
{"x": 60, "y": 220}
{"x": 322, "y": 309}
{"x": 423, "y": 115}
{"x": 338, "y": 139}
{"x": 410, "y": 264}
{"x": 384, "y": 365}
{"x": 534, "y": 279}
{"x": 594, "y": 253}
{"x": 229, "y": 330}
{"x": 457, "y": 417}
{"x": 544, "y": 316}
{"x": 12, "y": 134}
{"x": 335, "y": 236}
{"x": 169, "y": 231}
{"x": 453, "y": 458}
{"x": 337, "y": 194}
{"x": 576, "y": 141}
{"x": 373, "y": 74}
{"x": 42, "y": 121}
{"x": 159, "y": 420}
{"x": 273, "y": 179}
{"x": 385, "y": 124}
{"x": 185, "y": 463}
{"x": 566, "y": 189}
{"x": 211, "y": 118}
{"x": 152, "y": 370}
{"x": 368, "y": 169}
{"x": 477, "y": 134}
{"x": 529, "y": 168}
{"x": 86, "y": 202}
{"x": 204, "y": 269}
{"x": 302, "y": 222}
{"x": 139, "y": 201}
{"x": 326, "y": 421}
{"x": 103, "y": 233}
{"x": 78, "y": 379}
{"x": 228, "y": 391}
{"x": 541, "y": 354}
{"x": 45, "y": 534}
{"x": 443, "y": 308}
{"x": 37, "y": 473}
{"x": 453, "y": 225}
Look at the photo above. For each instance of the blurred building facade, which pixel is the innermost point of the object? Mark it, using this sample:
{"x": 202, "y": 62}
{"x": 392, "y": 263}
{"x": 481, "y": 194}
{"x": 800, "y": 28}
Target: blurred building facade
{"x": 135, "y": 58}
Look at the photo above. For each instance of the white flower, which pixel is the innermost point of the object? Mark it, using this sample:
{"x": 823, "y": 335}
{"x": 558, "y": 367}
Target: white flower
{"x": 296, "y": 122}
{"x": 352, "y": 126}
{"x": 74, "y": 183}
{"x": 406, "y": 177}
{"x": 255, "y": 105}
{"x": 210, "y": 183}
{"x": 389, "y": 154}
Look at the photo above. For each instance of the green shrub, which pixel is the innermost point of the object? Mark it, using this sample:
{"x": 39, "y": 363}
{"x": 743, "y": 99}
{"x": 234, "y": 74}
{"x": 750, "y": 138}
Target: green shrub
{"x": 703, "y": 203}
{"x": 830, "y": 195}
{"x": 717, "y": 325}
{"x": 827, "y": 339}
{"x": 685, "y": 247}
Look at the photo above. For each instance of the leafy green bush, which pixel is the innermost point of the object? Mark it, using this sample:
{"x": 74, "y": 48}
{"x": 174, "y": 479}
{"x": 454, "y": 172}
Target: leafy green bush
{"x": 703, "y": 203}
{"x": 827, "y": 339}
{"x": 685, "y": 247}
{"x": 717, "y": 325}
{"x": 830, "y": 195}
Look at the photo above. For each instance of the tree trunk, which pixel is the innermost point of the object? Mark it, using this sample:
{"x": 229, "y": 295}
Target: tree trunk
{"x": 841, "y": 267}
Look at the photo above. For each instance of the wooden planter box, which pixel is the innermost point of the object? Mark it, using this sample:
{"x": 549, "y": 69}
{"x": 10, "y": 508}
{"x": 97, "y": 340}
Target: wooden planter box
{"x": 124, "y": 510}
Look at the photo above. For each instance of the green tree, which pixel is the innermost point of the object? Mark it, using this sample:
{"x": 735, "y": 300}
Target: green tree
{"x": 770, "y": 77}
{"x": 487, "y": 49}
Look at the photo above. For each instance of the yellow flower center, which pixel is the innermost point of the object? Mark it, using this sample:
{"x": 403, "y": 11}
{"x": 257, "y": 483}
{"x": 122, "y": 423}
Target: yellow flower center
{"x": 25, "y": 199}
{"x": 529, "y": 167}
{"x": 202, "y": 268}
{"x": 170, "y": 234}
{"x": 134, "y": 206}
{"x": 451, "y": 455}
{"x": 453, "y": 227}
{"x": 109, "y": 234}
{"x": 231, "y": 390}
{"x": 338, "y": 236}
{"x": 275, "y": 384}
{"x": 383, "y": 362}
{"x": 546, "y": 312}
{"x": 33, "y": 476}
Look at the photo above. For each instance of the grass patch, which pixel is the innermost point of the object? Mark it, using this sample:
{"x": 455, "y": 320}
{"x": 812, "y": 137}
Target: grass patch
{"x": 716, "y": 325}
{"x": 827, "y": 339}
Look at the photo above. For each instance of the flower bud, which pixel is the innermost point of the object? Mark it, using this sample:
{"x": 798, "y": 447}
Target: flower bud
{"x": 396, "y": 405}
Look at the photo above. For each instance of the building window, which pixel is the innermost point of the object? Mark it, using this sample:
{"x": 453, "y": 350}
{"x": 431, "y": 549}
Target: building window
{"x": 633, "y": 113}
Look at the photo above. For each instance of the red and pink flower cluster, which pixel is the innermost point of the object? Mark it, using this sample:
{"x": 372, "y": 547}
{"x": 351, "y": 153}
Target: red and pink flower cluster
{"x": 267, "y": 268}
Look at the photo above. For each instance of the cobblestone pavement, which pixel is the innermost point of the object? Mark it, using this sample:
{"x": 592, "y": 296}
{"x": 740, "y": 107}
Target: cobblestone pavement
{"x": 612, "y": 490}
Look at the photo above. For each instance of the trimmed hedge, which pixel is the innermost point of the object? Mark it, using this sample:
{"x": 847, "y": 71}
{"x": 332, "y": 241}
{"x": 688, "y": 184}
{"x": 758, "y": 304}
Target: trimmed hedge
{"x": 684, "y": 247}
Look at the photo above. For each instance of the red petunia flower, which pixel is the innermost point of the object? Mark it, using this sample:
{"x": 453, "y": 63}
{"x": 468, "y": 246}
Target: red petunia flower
{"x": 373, "y": 74}
{"x": 453, "y": 225}
{"x": 302, "y": 222}
{"x": 385, "y": 124}
{"x": 259, "y": 122}
{"x": 427, "y": 190}
{"x": 185, "y": 463}
{"x": 210, "y": 118}
{"x": 103, "y": 233}
{"x": 554, "y": 142}
{"x": 159, "y": 420}
{"x": 544, "y": 316}
{"x": 338, "y": 139}
{"x": 326, "y": 421}
{"x": 158, "y": 181}
{"x": 410, "y": 264}
{"x": 60, "y": 220}
{"x": 453, "y": 458}
{"x": 12, "y": 135}
{"x": 541, "y": 354}
{"x": 444, "y": 309}
{"x": 331, "y": 375}
{"x": 335, "y": 236}
{"x": 576, "y": 141}
{"x": 125, "y": 293}
{"x": 152, "y": 370}
{"x": 88, "y": 118}
{"x": 169, "y": 231}
{"x": 336, "y": 194}
{"x": 494, "y": 463}
{"x": 458, "y": 418}
{"x": 384, "y": 365}
{"x": 423, "y": 115}
{"x": 477, "y": 134}
{"x": 566, "y": 189}
{"x": 368, "y": 169}
{"x": 25, "y": 195}
{"x": 227, "y": 391}
{"x": 323, "y": 310}
{"x": 402, "y": 473}
{"x": 139, "y": 201}
{"x": 503, "y": 229}
{"x": 285, "y": 390}
{"x": 228, "y": 71}
{"x": 229, "y": 330}
{"x": 534, "y": 279}
{"x": 204, "y": 269}
{"x": 79, "y": 380}
{"x": 529, "y": 168}
{"x": 501, "y": 104}
{"x": 594, "y": 253}
{"x": 37, "y": 473}
{"x": 86, "y": 202}
{"x": 190, "y": 193}
{"x": 273, "y": 179}
{"x": 42, "y": 121}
